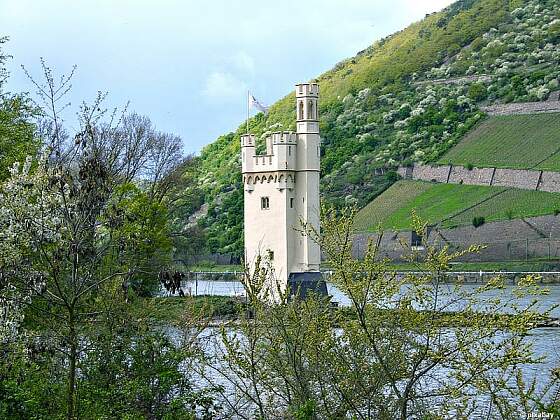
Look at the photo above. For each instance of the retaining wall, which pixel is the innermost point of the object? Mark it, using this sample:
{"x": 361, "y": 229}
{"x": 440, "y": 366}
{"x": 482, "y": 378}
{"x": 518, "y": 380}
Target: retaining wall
{"x": 517, "y": 178}
{"x": 475, "y": 176}
{"x": 431, "y": 173}
{"x": 550, "y": 181}
{"x": 512, "y": 178}
{"x": 523, "y": 108}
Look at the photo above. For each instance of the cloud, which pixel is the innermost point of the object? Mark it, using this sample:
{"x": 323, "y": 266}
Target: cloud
{"x": 244, "y": 63}
{"x": 224, "y": 86}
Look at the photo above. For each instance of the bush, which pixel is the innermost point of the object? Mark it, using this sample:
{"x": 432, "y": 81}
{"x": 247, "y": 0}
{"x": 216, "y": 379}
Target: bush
{"x": 477, "y": 92}
{"x": 469, "y": 166}
{"x": 478, "y": 221}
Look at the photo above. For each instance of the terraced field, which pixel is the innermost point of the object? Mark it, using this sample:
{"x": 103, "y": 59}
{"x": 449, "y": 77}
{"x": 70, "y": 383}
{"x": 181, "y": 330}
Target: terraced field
{"x": 513, "y": 141}
{"x": 379, "y": 210}
{"x": 510, "y": 204}
{"x": 451, "y": 205}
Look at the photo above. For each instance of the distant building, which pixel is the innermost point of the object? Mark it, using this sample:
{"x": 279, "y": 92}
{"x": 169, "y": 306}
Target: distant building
{"x": 282, "y": 191}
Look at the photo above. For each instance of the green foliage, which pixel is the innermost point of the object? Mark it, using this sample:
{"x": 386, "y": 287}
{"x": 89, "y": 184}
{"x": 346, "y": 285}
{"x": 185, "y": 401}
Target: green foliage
{"x": 477, "y": 92}
{"x": 477, "y": 221}
{"x": 139, "y": 226}
{"x": 516, "y": 141}
{"x": 17, "y": 139}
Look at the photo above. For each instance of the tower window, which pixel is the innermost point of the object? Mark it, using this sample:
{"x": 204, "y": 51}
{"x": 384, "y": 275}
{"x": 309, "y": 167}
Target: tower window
{"x": 270, "y": 255}
{"x": 289, "y": 150}
{"x": 301, "y": 110}
{"x": 310, "y": 110}
{"x": 265, "y": 203}
{"x": 291, "y": 202}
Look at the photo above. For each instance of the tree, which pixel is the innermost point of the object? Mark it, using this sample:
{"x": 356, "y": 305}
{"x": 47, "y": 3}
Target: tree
{"x": 17, "y": 138}
{"x": 78, "y": 230}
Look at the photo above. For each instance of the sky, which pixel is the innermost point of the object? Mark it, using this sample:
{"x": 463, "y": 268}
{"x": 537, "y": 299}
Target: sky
{"x": 187, "y": 64}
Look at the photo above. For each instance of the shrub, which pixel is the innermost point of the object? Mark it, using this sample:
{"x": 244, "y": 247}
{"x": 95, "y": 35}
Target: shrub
{"x": 477, "y": 92}
{"x": 469, "y": 166}
{"x": 478, "y": 221}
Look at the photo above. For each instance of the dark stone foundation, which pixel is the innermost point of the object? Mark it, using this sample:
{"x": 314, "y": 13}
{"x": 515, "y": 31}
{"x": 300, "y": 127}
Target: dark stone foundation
{"x": 302, "y": 284}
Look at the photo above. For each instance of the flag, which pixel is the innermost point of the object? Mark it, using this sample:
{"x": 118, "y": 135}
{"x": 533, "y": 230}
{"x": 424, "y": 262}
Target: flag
{"x": 253, "y": 103}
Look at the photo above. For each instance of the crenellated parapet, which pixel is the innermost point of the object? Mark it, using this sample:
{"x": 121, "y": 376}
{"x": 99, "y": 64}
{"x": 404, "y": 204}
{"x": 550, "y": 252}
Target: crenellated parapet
{"x": 281, "y": 149}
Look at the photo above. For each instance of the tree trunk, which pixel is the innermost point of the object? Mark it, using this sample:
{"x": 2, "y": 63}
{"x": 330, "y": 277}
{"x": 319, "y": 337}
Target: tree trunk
{"x": 71, "y": 393}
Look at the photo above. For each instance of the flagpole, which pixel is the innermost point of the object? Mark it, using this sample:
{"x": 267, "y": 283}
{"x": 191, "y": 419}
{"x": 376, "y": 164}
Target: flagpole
{"x": 248, "y": 112}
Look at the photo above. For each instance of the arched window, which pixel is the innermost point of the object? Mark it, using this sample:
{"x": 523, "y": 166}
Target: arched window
{"x": 310, "y": 114}
{"x": 301, "y": 110}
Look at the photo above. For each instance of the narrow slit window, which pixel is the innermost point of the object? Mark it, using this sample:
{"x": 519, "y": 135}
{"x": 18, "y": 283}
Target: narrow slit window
{"x": 265, "y": 203}
{"x": 291, "y": 202}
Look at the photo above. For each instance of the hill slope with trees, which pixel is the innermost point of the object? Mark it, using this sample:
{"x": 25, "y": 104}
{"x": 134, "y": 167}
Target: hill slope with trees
{"x": 409, "y": 97}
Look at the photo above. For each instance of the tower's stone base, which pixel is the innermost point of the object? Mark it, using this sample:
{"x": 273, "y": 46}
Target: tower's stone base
{"x": 302, "y": 284}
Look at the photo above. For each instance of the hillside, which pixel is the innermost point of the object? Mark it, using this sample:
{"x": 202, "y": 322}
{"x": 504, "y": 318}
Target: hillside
{"x": 451, "y": 205}
{"x": 512, "y": 141}
{"x": 388, "y": 105}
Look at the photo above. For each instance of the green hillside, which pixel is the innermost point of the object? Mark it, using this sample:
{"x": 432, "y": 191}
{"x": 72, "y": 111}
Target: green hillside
{"x": 384, "y": 107}
{"x": 451, "y": 205}
{"x": 516, "y": 141}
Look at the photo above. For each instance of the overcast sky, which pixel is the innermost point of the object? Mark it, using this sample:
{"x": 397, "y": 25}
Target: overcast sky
{"x": 188, "y": 64}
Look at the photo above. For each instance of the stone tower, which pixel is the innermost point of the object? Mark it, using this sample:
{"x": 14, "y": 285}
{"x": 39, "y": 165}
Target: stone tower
{"x": 282, "y": 190}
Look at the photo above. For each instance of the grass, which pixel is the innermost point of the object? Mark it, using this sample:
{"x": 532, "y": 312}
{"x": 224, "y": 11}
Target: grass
{"x": 451, "y": 205}
{"x": 380, "y": 209}
{"x": 513, "y": 141}
{"x": 511, "y": 204}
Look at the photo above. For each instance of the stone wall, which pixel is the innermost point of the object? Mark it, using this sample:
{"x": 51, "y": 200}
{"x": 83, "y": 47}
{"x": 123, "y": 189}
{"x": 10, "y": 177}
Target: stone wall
{"x": 523, "y": 108}
{"x": 550, "y": 181}
{"x": 475, "y": 176}
{"x": 431, "y": 173}
{"x": 405, "y": 172}
{"x": 501, "y": 177}
{"x": 517, "y": 178}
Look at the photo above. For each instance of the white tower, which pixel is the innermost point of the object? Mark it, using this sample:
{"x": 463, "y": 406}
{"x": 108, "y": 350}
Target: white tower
{"x": 282, "y": 191}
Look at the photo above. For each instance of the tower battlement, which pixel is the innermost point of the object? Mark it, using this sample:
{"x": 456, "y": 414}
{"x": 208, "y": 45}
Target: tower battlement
{"x": 248, "y": 140}
{"x": 307, "y": 89}
{"x": 284, "y": 137}
{"x": 281, "y": 153}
